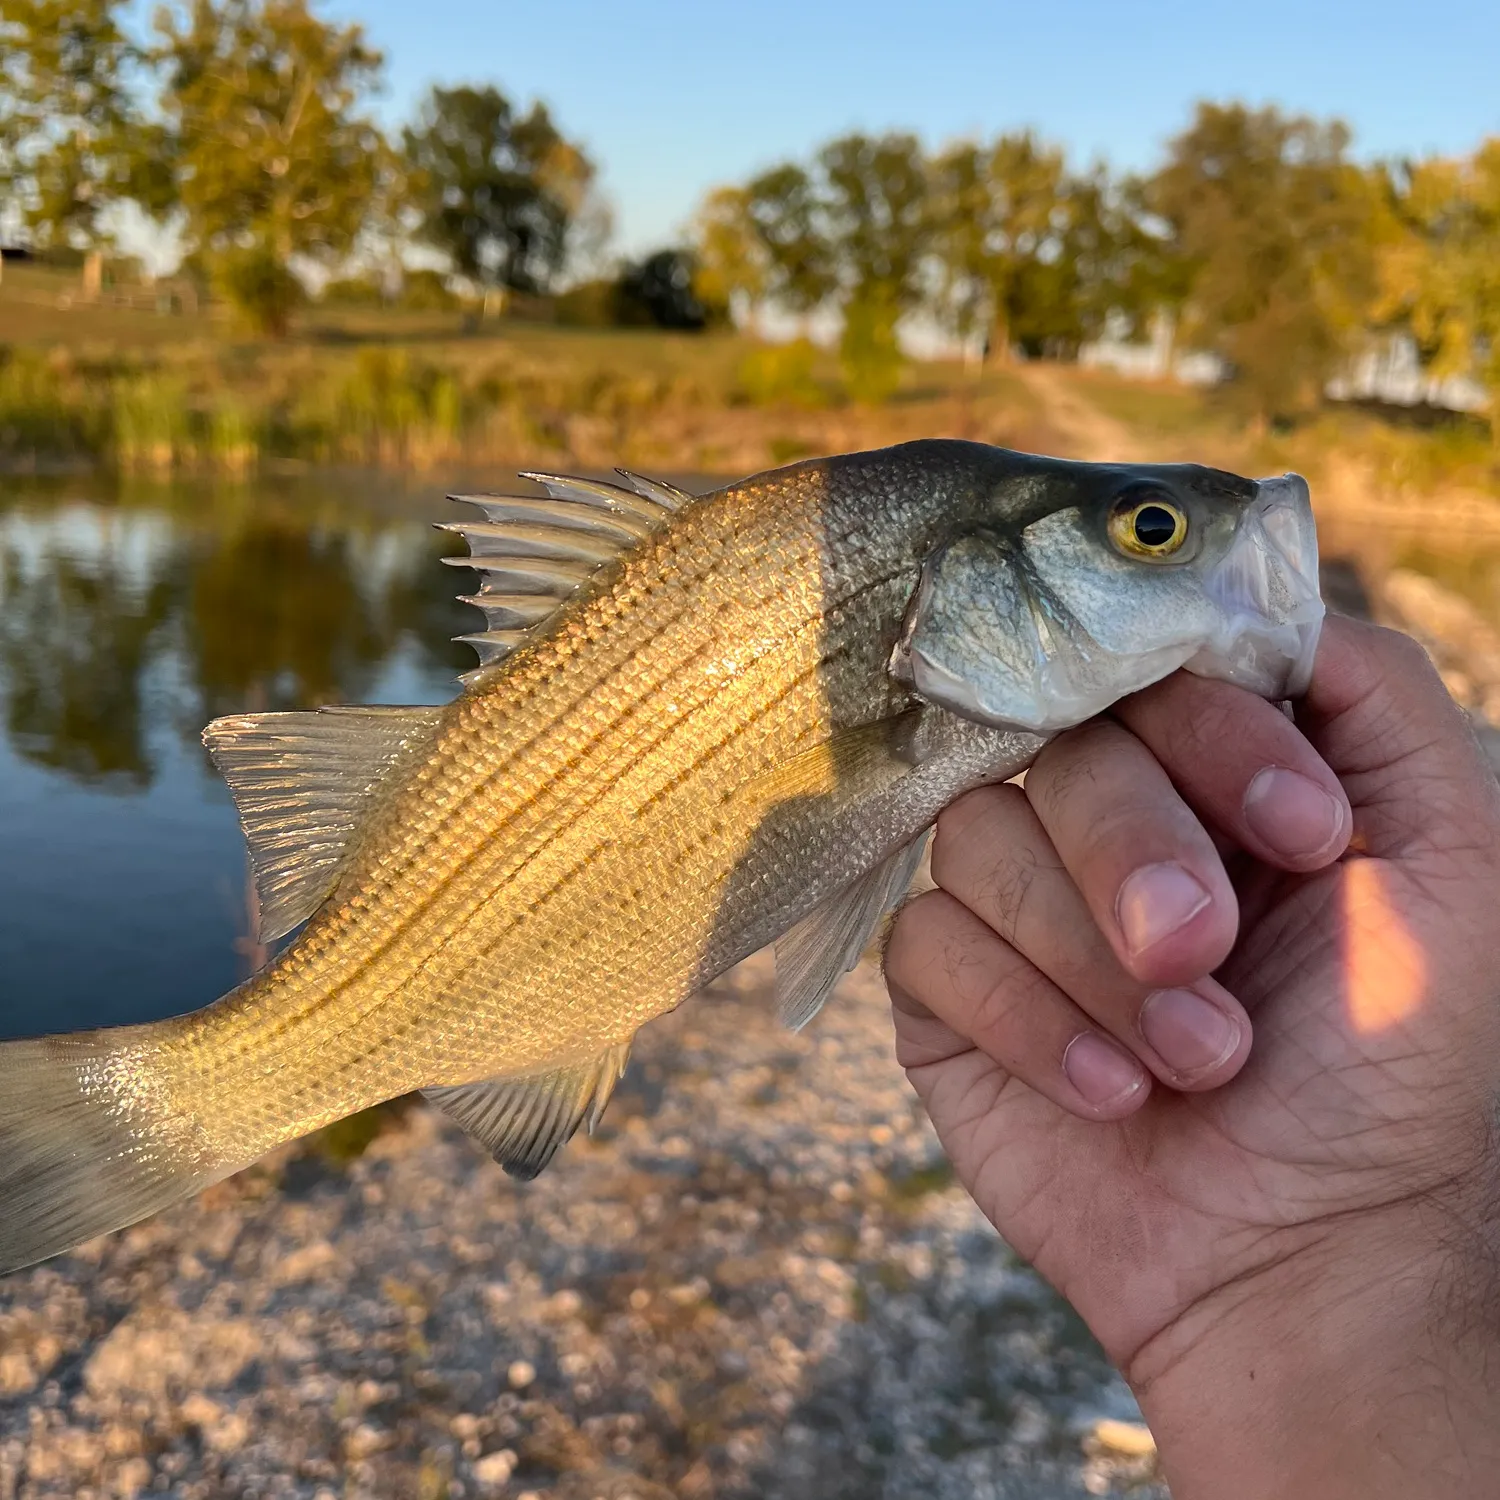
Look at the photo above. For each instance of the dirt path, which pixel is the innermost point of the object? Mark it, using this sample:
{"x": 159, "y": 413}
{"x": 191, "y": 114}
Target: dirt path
{"x": 1089, "y": 433}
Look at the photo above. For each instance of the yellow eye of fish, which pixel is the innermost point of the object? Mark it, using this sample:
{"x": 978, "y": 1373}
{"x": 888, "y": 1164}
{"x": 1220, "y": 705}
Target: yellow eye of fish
{"x": 1148, "y": 526}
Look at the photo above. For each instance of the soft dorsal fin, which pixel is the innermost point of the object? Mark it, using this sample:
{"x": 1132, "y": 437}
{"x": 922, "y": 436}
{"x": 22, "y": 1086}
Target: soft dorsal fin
{"x": 815, "y": 954}
{"x": 522, "y": 1122}
{"x": 302, "y": 783}
{"x": 533, "y": 553}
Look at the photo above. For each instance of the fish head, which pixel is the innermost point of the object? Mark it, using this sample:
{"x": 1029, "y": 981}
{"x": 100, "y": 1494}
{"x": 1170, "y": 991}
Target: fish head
{"x": 1089, "y": 582}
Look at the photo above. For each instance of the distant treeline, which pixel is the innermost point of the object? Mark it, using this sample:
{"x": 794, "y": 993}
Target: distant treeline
{"x": 245, "y": 125}
{"x": 1258, "y": 239}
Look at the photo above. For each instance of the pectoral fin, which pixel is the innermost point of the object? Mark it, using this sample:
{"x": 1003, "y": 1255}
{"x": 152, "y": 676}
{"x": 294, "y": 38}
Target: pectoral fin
{"x": 522, "y": 1122}
{"x": 852, "y": 762}
{"x": 815, "y": 954}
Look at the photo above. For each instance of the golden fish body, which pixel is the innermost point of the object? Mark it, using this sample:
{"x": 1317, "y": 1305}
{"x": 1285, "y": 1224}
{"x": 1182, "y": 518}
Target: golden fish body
{"x": 704, "y": 747}
{"x": 570, "y": 859}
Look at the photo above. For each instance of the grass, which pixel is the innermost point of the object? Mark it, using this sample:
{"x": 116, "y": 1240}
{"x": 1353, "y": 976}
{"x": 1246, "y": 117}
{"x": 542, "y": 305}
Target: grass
{"x": 158, "y": 392}
{"x": 155, "y": 391}
{"x": 1402, "y": 453}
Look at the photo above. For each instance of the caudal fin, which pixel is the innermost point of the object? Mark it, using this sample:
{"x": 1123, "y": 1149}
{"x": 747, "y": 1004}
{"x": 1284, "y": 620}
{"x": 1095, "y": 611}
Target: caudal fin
{"x": 85, "y": 1146}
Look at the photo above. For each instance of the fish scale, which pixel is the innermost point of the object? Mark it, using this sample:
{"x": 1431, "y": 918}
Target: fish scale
{"x": 735, "y": 730}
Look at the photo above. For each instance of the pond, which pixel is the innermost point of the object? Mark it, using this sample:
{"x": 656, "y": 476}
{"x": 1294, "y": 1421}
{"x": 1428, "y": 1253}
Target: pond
{"x": 130, "y": 616}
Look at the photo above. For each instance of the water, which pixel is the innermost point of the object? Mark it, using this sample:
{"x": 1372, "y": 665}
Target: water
{"x": 131, "y": 616}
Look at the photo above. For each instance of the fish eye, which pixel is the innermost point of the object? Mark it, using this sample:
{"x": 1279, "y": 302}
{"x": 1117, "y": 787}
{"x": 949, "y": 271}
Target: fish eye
{"x": 1148, "y": 525}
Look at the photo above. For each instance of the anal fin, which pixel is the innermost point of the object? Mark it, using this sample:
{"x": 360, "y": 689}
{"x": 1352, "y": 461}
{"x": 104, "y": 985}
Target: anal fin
{"x": 815, "y": 954}
{"x": 523, "y": 1122}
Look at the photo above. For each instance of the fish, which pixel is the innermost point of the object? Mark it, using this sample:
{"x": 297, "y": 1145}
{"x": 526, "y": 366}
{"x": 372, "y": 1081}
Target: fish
{"x": 700, "y": 725}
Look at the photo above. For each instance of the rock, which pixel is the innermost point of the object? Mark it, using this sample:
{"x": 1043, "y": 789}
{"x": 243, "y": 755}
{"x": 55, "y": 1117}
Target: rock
{"x": 520, "y": 1374}
{"x": 17, "y": 1375}
{"x": 363, "y": 1441}
{"x": 1128, "y": 1439}
{"x": 308, "y": 1263}
{"x": 494, "y": 1469}
{"x": 163, "y": 1351}
{"x": 131, "y": 1478}
{"x": 199, "y": 1411}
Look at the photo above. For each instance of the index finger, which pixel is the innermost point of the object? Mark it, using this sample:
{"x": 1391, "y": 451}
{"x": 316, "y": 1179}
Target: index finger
{"x": 1244, "y": 766}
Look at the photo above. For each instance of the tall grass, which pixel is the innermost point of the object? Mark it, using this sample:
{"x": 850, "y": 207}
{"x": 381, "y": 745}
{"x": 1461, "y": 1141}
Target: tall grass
{"x": 379, "y": 407}
{"x": 49, "y": 411}
{"x": 229, "y": 410}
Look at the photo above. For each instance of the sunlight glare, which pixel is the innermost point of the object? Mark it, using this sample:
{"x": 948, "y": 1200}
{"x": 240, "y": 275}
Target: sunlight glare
{"x": 1385, "y": 967}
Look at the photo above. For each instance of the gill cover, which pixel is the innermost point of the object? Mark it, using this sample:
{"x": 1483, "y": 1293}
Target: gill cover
{"x": 1042, "y": 631}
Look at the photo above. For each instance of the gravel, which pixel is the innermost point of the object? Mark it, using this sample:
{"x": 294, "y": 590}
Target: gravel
{"x": 758, "y": 1279}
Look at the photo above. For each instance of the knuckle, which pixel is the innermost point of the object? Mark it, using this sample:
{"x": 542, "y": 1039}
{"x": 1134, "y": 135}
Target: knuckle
{"x": 957, "y": 820}
{"x": 1003, "y": 891}
{"x": 911, "y": 933}
{"x": 1187, "y": 719}
{"x": 969, "y": 829}
{"x": 1068, "y": 763}
{"x": 997, "y": 1015}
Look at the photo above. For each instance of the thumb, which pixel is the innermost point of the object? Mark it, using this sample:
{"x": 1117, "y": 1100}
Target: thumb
{"x": 1379, "y": 715}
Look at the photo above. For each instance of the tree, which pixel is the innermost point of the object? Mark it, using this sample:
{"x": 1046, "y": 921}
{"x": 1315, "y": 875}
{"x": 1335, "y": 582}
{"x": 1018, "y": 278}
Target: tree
{"x": 995, "y": 212}
{"x": 1032, "y": 254}
{"x": 783, "y": 207}
{"x": 497, "y": 192}
{"x": 1275, "y": 227}
{"x": 661, "y": 290}
{"x": 72, "y": 143}
{"x": 731, "y": 266}
{"x": 272, "y": 159}
{"x": 876, "y": 222}
{"x": 1440, "y": 270}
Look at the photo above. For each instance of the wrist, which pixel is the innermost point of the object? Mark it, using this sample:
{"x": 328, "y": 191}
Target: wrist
{"x": 1360, "y": 1366}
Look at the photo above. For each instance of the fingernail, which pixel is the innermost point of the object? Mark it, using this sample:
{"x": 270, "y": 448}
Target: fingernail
{"x": 1189, "y": 1034}
{"x": 1293, "y": 815}
{"x": 1101, "y": 1071}
{"x": 1154, "y": 902}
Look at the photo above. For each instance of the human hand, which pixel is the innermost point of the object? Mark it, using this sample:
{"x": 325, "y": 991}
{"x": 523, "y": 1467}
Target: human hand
{"x": 1289, "y": 1248}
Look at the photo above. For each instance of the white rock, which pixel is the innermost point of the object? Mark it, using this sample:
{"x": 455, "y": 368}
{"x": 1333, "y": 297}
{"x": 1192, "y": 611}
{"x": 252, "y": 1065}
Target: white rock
{"x": 495, "y": 1469}
{"x": 1129, "y": 1439}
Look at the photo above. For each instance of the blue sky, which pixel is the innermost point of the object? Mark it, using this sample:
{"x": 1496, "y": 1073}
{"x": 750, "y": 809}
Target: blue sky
{"x": 672, "y": 97}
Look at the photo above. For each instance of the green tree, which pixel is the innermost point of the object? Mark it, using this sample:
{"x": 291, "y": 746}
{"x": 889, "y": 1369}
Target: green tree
{"x": 496, "y": 191}
{"x": 732, "y": 266}
{"x": 995, "y": 211}
{"x": 784, "y": 209}
{"x": 1276, "y": 229}
{"x": 272, "y": 158}
{"x": 875, "y": 218}
{"x": 72, "y": 143}
{"x": 1031, "y": 254}
{"x": 1440, "y": 269}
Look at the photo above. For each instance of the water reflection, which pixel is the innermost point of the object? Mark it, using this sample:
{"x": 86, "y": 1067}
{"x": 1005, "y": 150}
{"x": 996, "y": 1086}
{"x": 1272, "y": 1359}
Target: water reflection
{"x": 127, "y": 620}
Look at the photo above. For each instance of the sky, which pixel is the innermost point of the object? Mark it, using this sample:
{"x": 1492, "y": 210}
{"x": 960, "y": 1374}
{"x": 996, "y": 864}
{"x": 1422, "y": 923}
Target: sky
{"x": 671, "y": 98}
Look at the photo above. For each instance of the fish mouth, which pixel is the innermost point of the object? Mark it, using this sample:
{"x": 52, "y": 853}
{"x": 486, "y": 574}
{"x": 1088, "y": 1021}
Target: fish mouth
{"x": 1266, "y": 590}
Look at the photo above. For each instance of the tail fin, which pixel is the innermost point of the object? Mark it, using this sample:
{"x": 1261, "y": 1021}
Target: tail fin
{"x": 84, "y": 1145}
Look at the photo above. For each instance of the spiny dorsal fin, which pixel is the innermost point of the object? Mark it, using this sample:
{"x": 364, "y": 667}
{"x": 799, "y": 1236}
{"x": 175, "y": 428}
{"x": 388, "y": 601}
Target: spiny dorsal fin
{"x": 533, "y": 553}
{"x": 815, "y": 954}
{"x": 664, "y": 494}
{"x": 302, "y": 783}
{"x": 522, "y": 1122}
